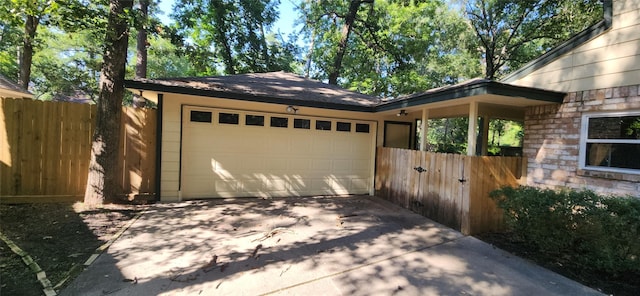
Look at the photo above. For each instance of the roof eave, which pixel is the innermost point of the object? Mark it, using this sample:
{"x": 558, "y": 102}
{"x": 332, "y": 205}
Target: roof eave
{"x": 17, "y": 94}
{"x": 476, "y": 89}
{"x": 141, "y": 85}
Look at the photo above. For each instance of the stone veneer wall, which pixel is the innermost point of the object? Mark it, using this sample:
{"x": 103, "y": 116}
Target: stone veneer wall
{"x": 552, "y": 142}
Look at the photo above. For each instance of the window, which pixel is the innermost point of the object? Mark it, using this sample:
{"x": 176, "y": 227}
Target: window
{"x": 256, "y": 120}
{"x": 611, "y": 142}
{"x": 279, "y": 122}
{"x": 343, "y": 126}
{"x": 302, "y": 123}
{"x": 362, "y": 128}
{"x": 228, "y": 118}
{"x": 200, "y": 116}
{"x": 323, "y": 125}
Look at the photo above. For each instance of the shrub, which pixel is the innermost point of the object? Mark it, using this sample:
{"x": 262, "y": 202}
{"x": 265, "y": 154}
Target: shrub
{"x": 593, "y": 231}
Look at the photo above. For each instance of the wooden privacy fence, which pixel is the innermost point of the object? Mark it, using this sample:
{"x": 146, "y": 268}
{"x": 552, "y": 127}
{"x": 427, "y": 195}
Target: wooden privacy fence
{"x": 45, "y": 150}
{"x": 448, "y": 188}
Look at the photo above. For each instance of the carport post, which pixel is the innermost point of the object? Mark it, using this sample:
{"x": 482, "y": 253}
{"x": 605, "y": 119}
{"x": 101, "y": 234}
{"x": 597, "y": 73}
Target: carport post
{"x": 424, "y": 127}
{"x": 485, "y": 135}
{"x": 473, "y": 126}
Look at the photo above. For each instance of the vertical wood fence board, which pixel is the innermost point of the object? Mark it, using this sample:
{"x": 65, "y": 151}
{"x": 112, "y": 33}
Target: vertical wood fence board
{"x": 467, "y": 189}
{"x": 28, "y": 180}
{"x": 56, "y": 143}
{"x": 15, "y": 140}
{"x": 45, "y": 149}
{"x": 438, "y": 194}
{"x": 5, "y": 157}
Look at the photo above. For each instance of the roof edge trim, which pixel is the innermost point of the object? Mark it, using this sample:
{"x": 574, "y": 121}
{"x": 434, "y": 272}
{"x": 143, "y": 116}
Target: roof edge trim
{"x": 475, "y": 89}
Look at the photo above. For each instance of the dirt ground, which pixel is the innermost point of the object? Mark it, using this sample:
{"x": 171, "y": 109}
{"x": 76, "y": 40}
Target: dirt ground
{"x": 59, "y": 237}
{"x": 627, "y": 284}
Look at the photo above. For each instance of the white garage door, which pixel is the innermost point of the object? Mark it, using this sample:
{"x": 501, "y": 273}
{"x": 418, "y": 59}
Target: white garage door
{"x": 231, "y": 153}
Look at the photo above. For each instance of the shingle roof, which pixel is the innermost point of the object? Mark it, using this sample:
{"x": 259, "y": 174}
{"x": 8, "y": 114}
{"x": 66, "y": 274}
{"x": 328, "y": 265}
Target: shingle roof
{"x": 292, "y": 88}
{"x": 6, "y": 83}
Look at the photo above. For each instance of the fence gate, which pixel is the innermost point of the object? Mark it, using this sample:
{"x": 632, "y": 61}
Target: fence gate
{"x": 451, "y": 189}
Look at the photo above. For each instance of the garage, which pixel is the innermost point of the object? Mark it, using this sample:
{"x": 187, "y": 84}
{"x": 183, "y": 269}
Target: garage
{"x": 238, "y": 153}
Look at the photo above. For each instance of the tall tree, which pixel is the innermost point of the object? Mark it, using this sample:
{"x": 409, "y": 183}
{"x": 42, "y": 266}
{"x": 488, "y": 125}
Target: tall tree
{"x": 67, "y": 65}
{"x": 236, "y": 32}
{"x": 32, "y": 15}
{"x": 511, "y": 33}
{"x": 347, "y": 27}
{"x": 26, "y": 14}
{"x": 141, "y": 48}
{"x": 396, "y": 47}
{"x": 102, "y": 182}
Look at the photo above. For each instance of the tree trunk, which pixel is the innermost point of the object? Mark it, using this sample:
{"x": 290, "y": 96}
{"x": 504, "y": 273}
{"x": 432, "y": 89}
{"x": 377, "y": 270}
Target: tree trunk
{"x": 30, "y": 27}
{"x": 265, "y": 48}
{"x": 141, "y": 51}
{"x": 310, "y": 55}
{"x": 221, "y": 36}
{"x": 102, "y": 182}
{"x": 344, "y": 40}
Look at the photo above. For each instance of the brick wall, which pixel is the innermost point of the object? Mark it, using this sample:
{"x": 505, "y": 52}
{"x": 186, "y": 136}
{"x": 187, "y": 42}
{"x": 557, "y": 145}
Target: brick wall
{"x": 552, "y": 142}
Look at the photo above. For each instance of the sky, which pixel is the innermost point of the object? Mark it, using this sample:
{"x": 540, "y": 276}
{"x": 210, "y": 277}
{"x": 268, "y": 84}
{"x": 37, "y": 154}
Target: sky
{"x": 285, "y": 23}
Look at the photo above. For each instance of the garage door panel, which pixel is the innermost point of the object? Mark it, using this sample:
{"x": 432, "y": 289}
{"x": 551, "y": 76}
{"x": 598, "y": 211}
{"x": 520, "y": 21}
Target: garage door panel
{"x": 197, "y": 167}
{"x": 228, "y": 160}
{"x": 360, "y": 185}
{"x": 322, "y": 144}
{"x": 251, "y": 185}
{"x": 275, "y": 185}
{"x": 300, "y": 165}
{"x": 276, "y": 164}
{"x": 323, "y": 165}
{"x": 342, "y": 165}
{"x": 226, "y": 186}
{"x": 322, "y": 186}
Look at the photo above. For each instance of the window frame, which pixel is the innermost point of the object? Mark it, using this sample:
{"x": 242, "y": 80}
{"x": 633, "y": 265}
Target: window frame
{"x": 273, "y": 117}
{"x": 584, "y": 141}
{"x": 231, "y": 115}
{"x": 211, "y": 117}
{"x": 247, "y": 115}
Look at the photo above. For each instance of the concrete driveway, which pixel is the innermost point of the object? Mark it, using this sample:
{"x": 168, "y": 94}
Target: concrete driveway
{"x": 306, "y": 246}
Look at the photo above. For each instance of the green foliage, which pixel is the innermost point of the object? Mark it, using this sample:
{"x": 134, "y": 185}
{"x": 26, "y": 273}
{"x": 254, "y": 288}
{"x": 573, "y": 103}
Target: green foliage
{"x": 396, "y": 47}
{"x": 237, "y": 33}
{"x": 68, "y": 66}
{"x": 504, "y": 133}
{"x": 512, "y": 33}
{"x": 163, "y": 59}
{"x": 10, "y": 39}
{"x": 448, "y": 135}
{"x": 593, "y": 232}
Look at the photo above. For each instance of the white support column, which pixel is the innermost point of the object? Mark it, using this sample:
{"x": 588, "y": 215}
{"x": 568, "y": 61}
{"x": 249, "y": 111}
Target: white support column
{"x": 424, "y": 127}
{"x": 473, "y": 126}
{"x": 485, "y": 135}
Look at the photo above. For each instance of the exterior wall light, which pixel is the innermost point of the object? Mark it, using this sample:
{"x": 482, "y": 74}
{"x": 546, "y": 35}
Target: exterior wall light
{"x": 402, "y": 113}
{"x": 292, "y": 110}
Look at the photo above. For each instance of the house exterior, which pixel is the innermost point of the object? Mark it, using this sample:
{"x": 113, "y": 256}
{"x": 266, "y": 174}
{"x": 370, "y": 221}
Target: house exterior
{"x": 592, "y": 139}
{"x": 279, "y": 134}
{"x": 9, "y": 89}
{"x": 265, "y": 135}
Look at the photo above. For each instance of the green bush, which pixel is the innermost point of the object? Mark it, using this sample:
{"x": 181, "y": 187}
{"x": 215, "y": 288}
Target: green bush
{"x": 592, "y": 231}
